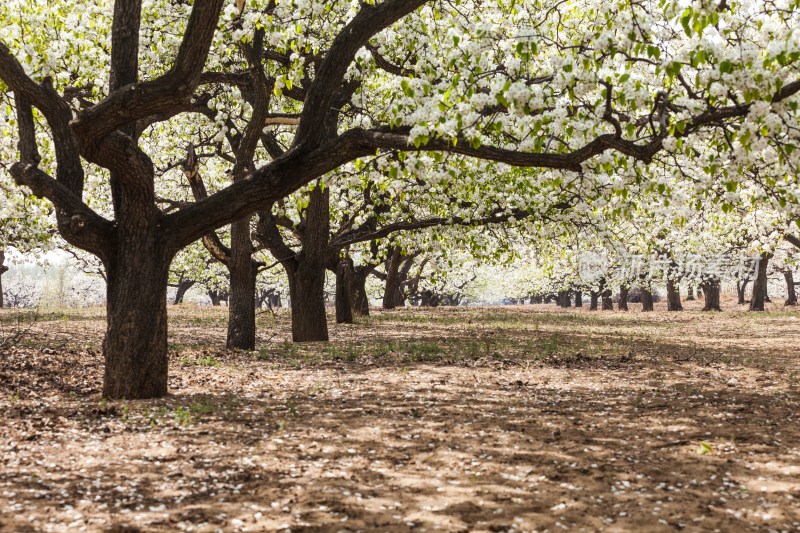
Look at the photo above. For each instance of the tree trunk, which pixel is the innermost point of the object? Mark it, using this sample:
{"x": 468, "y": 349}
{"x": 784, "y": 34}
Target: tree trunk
{"x": 358, "y": 286}
{"x": 760, "y": 284}
{"x": 307, "y": 293}
{"x": 741, "y": 287}
{"x": 135, "y": 346}
{"x": 183, "y": 287}
{"x": 392, "y": 296}
{"x": 578, "y": 298}
{"x": 536, "y": 299}
{"x": 242, "y": 302}
{"x": 791, "y": 294}
{"x": 690, "y": 293}
{"x": 623, "y": 298}
{"x": 344, "y": 281}
{"x": 594, "y": 298}
{"x": 673, "y": 296}
{"x": 564, "y": 299}
{"x": 3, "y": 270}
{"x": 711, "y": 295}
{"x": 647, "y": 299}
{"x": 608, "y": 303}
{"x": 216, "y": 297}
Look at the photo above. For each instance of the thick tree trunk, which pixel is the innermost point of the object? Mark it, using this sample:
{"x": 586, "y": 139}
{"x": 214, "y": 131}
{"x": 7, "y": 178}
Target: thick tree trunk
{"x": 578, "y": 298}
{"x": 673, "y": 296}
{"x": 608, "y": 303}
{"x": 564, "y": 299}
{"x": 690, "y": 293}
{"x": 594, "y": 298}
{"x": 344, "y": 281}
{"x": 307, "y": 293}
{"x": 647, "y": 299}
{"x": 623, "y": 298}
{"x": 216, "y": 297}
{"x": 242, "y": 303}
{"x": 135, "y": 346}
{"x": 791, "y": 294}
{"x": 358, "y": 288}
{"x": 392, "y": 296}
{"x": 760, "y": 284}
{"x": 183, "y": 287}
{"x": 548, "y": 298}
{"x": 711, "y": 295}
{"x": 536, "y": 300}
{"x": 3, "y": 270}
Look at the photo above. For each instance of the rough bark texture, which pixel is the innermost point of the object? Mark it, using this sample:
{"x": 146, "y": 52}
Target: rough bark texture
{"x": 392, "y": 296}
{"x": 242, "y": 303}
{"x": 760, "y": 284}
{"x": 711, "y": 295}
{"x": 578, "y": 298}
{"x": 623, "y": 298}
{"x": 135, "y": 346}
{"x": 344, "y": 281}
{"x": 360, "y": 299}
{"x": 791, "y": 294}
{"x": 594, "y": 299}
{"x": 3, "y": 270}
{"x": 647, "y": 298}
{"x": 673, "y": 296}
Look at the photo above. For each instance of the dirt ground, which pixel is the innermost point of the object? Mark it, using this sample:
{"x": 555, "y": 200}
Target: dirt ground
{"x": 523, "y": 418}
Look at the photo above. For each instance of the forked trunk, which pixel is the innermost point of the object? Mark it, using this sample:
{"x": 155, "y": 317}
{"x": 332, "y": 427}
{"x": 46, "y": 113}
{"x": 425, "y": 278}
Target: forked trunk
{"x": 711, "y": 295}
{"x": 623, "y": 298}
{"x": 673, "y": 296}
{"x": 242, "y": 302}
{"x": 760, "y": 284}
{"x": 791, "y": 294}
{"x": 741, "y": 286}
{"x": 135, "y": 346}
{"x": 307, "y": 293}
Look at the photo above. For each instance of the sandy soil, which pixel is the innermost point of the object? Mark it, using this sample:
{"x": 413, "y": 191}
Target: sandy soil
{"x": 495, "y": 419}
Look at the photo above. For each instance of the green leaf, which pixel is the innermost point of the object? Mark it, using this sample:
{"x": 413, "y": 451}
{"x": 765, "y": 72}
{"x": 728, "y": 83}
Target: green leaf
{"x": 704, "y": 448}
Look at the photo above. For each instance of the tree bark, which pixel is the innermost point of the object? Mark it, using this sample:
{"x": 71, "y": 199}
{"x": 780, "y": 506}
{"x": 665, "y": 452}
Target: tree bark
{"x": 182, "y": 288}
{"x": 391, "y": 293}
{"x": 760, "y": 284}
{"x": 135, "y": 346}
{"x": 3, "y": 270}
{"x": 242, "y": 302}
{"x": 608, "y": 303}
{"x": 690, "y": 293}
{"x": 344, "y": 282}
{"x": 711, "y": 295}
{"x": 623, "y": 298}
{"x": 791, "y": 294}
{"x": 647, "y": 300}
{"x": 360, "y": 300}
{"x": 741, "y": 287}
{"x": 578, "y": 298}
{"x": 673, "y": 296}
{"x": 594, "y": 299}
{"x": 307, "y": 294}
{"x": 564, "y": 299}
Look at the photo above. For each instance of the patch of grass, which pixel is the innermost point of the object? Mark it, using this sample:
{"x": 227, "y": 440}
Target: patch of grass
{"x": 205, "y": 360}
